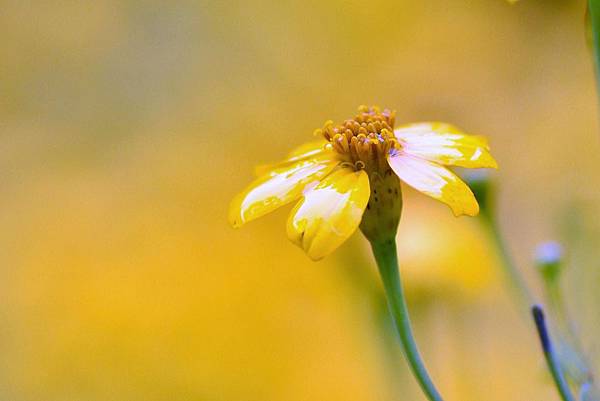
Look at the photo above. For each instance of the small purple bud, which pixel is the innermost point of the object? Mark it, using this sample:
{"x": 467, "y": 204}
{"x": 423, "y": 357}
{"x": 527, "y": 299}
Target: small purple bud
{"x": 548, "y": 259}
{"x": 549, "y": 252}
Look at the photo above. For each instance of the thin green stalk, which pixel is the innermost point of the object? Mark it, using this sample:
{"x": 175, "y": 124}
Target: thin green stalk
{"x": 569, "y": 337}
{"x": 387, "y": 261}
{"x": 594, "y": 19}
{"x": 551, "y": 360}
{"x": 564, "y": 321}
{"x": 513, "y": 276}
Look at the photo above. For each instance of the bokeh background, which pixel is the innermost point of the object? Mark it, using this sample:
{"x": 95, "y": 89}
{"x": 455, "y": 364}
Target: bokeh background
{"x": 127, "y": 126}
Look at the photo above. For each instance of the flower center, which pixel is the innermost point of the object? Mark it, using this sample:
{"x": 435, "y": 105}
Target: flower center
{"x": 366, "y": 140}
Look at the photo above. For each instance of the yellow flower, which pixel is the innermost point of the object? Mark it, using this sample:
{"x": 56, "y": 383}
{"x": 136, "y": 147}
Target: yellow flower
{"x": 350, "y": 178}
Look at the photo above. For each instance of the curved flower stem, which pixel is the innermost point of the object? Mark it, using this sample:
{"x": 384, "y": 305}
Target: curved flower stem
{"x": 513, "y": 275}
{"x": 594, "y": 19}
{"x": 387, "y": 261}
{"x": 567, "y": 327}
{"x": 553, "y": 365}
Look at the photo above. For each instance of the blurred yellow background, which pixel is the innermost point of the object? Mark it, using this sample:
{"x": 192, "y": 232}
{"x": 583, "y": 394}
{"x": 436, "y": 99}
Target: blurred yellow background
{"x": 127, "y": 126}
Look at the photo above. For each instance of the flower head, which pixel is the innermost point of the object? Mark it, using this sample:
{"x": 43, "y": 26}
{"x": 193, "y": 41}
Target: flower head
{"x": 351, "y": 177}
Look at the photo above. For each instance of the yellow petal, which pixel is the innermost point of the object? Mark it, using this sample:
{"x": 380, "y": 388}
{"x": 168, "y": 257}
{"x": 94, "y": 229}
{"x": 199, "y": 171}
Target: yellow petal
{"x": 436, "y": 181}
{"x": 330, "y": 212}
{"x": 445, "y": 144}
{"x": 314, "y": 149}
{"x": 276, "y": 188}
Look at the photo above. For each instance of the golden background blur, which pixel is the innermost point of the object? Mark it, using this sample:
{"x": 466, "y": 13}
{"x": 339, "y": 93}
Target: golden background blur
{"x": 127, "y": 126}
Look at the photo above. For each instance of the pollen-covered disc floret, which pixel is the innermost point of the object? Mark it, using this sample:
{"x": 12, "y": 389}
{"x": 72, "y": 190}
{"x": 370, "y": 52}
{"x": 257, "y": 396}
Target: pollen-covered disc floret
{"x": 364, "y": 141}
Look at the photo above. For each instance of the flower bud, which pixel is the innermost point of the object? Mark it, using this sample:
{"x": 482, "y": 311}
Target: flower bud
{"x": 548, "y": 260}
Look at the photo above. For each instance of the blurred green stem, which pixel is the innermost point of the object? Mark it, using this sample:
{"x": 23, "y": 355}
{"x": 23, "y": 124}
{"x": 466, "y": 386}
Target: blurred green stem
{"x": 387, "y": 261}
{"x": 558, "y": 309}
{"x": 551, "y": 360}
{"x": 568, "y": 333}
{"x": 594, "y": 15}
{"x": 513, "y": 276}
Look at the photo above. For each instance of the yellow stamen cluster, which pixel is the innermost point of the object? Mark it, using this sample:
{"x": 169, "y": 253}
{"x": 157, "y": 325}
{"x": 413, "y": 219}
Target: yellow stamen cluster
{"x": 364, "y": 141}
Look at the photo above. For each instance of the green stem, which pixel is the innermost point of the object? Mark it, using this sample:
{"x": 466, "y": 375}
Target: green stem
{"x": 594, "y": 16}
{"x": 566, "y": 327}
{"x": 387, "y": 261}
{"x": 513, "y": 276}
{"x": 551, "y": 360}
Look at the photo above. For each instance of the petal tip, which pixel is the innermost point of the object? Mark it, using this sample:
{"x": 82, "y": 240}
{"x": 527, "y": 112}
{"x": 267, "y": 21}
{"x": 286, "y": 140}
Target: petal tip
{"x": 465, "y": 208}
{"x": 296, "y": 236}
{"x": 315, "y": 258}
{"x": 490, "y": 162}
{"x": 235, "y": 218}
{"x": 235, "y": 224}
{"x": 466, "y": 212}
